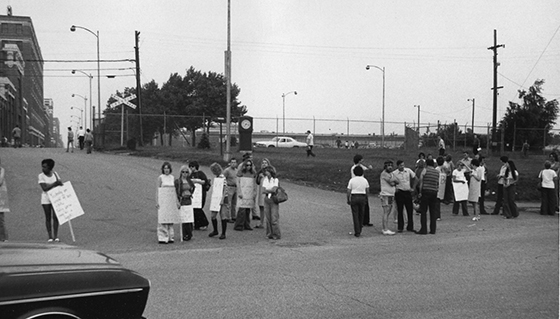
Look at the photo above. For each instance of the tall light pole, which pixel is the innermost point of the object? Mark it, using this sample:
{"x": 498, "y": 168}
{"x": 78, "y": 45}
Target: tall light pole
{"x": 418, "y": 106}
{"x": 472, "y": 113}
{"x": 81, "y": 112}
{"x": 227, "y": 155}
{"x": 90, "y": 108}
{"x": 284, "y": 111}
{"x": 96, "y": 34}
{"x": 383, "y": 104}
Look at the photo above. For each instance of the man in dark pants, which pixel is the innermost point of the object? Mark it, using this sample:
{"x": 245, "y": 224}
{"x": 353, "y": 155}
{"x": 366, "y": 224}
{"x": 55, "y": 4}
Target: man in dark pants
{"x": 403, "y": 196}
{"x": 429, "y": 184}
{"x": 482, "y": 185}
{"x": 359, "y": 161}
{"x": 501, "y": 179}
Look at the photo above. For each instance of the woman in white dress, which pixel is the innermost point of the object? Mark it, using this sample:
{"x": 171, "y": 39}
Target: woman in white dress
{"x": 165, "y": 231}
{"x": 474, "y": 187}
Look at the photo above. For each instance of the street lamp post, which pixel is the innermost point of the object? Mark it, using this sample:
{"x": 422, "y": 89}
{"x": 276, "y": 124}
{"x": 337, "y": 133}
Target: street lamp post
{"x": 96, "y": 34}
{"x": 90, "y": 108}
{"x": 383, "y": 104}
{"x": 284, "y": 111}
{"x": 418, "y": 106}
{"x": 81, "y": 113}
{"x": 472, "y": 114}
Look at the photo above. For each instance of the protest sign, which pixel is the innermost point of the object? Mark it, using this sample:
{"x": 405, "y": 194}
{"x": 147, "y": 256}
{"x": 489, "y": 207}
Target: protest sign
{"x": 4, "y": 203}
{"x": 65, "y": 202}
{"x": 197, "y": 196}
{"x": 168, "y": 212}
{"x": 217, "y": 194}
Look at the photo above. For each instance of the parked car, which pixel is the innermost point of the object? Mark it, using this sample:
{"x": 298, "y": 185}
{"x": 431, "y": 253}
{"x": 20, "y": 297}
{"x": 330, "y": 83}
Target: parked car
{"x": 280, "y": 141}
{"x": 46, "y": 281}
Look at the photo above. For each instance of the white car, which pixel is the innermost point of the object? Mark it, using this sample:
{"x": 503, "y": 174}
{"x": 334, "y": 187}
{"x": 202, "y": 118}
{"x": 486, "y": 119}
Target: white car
{"x": 281, "y": 141}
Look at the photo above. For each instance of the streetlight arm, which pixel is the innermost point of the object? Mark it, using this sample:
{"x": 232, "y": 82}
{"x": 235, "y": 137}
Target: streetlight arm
{"x": 74, "y": 27}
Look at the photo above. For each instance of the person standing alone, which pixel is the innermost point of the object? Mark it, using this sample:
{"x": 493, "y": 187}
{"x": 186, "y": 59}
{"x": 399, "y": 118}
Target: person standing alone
{"x": 70, "y": 140}
{"x": 310, "y": 143}
{"x": 16, "y": 135}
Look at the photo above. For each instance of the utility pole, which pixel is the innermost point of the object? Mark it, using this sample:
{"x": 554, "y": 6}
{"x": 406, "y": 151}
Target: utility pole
{"x": 472, "y": 113}
{"x": 227, "y": 155}
{"x": 138, "y": 87}
{"x": 495, "y": 88}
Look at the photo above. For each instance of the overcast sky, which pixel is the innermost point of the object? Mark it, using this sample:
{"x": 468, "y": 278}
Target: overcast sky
{"x": 435, "y": 54}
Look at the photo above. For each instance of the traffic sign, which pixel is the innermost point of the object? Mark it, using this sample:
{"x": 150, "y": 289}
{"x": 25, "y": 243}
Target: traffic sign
{"x": 124, "y": 101}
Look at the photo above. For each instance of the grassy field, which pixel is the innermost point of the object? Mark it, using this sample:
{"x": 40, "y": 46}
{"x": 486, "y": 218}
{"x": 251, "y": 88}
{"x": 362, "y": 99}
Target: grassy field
{"x": 331, "y": 168}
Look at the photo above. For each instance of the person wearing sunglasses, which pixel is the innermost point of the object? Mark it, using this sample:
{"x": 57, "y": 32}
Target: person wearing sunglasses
{"x": 246, "y": 193}
{"x": 184, "y": 187}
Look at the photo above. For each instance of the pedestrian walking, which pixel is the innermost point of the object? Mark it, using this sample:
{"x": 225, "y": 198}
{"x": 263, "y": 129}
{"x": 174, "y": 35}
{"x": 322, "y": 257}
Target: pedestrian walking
{"x": 81, "y": 133}
{"x": 547, "y": 178}
{"x": 48, "y": 180}
{"x": 310, "y": 144}
{"x": 88, "y": 139}
{"x": 70, "y": 142}
{"x": 16, "y": 136}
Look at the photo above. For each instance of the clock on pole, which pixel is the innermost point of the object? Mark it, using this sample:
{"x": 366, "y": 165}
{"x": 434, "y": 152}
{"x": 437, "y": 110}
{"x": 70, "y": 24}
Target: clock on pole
{"x": 245, "y": 134}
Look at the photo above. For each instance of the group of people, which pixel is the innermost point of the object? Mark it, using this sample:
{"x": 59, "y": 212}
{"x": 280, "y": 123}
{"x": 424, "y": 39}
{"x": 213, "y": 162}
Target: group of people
{"x": 239, "y": 195}
{"x": 85, "y": 140}
{"x": 433, "y": 182}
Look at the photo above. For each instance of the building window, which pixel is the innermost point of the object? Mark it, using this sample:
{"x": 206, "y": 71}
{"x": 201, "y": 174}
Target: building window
{"x": 19, "y": 29}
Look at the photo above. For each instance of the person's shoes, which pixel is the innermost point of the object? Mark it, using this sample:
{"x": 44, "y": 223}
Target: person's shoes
{"x": 248, "y": 228}
{"x": 476, "y": 218}
{"x": 256, "y": 218}
{"x": 238, "y": 229}
{"x": 399, "y": 231}
{"x": 270, "y": 237}
{"x": 223, "y": 236}
{"x": 171, "y": 242}
{"x": 388, "y": 232}
{"x": 203, "y": 228}
{"x": 50, "y": 240}
{"x": 259, "y": 226}
{"x": 368, "y": 225}
{"x": 357, "y": 235}
{"x": 432, "y": 233}
{"x": 410, "y": 229}
{"x": 162, "y": 242}
{"x": 212, "y": 234}
{"x": 421, "y": 233}
{"x": 57, "y": 240}
{"x": 186, "y": 238}
{"x": 438, "y": 219}
{"x": 505, "y": 217}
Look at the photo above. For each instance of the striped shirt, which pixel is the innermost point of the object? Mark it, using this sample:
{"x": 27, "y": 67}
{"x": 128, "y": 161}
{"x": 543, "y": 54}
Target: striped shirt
{"x": 430, "y": 180}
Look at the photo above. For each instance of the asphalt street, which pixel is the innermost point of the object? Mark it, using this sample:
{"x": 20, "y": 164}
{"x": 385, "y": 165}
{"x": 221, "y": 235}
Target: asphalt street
{"x": 493, "y": 268}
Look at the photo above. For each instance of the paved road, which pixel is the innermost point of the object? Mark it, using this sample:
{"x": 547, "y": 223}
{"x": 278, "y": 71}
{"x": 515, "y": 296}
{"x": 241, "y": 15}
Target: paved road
{"x": 494, "y": 268}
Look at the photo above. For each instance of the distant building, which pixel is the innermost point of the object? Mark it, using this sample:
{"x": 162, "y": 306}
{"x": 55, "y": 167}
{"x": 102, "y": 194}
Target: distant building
{"x": 21, "y": 82}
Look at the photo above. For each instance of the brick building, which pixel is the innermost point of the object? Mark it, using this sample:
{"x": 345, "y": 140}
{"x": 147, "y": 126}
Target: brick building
{"x": 21, "y": 82}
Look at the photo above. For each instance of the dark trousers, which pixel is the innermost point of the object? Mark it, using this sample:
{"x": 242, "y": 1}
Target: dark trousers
{"x": 499, "y": 199}
{"x": 404, "y": 200}
{"x": 358, "y": 206}
{"x": 481, "y": 198}
{"x": 430, "y": 201}
{"x": 200, "y": 219}
{"x": 448, "y": 195}
{"x": 510, "y": 208}
{"x": 187, "y": 230}
{"x": 548, "y": 201}
{"x": 310, "y": 151}
{"x": 243, "y": 220}
{"x": 81, "y": 142}
{"x": 463, "y": 205}
{"x": 366, "y": 213}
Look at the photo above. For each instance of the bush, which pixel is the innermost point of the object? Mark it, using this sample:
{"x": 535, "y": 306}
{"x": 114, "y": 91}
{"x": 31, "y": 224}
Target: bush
{"x": 204, "y": 142}
{"x": 131, "y": 144}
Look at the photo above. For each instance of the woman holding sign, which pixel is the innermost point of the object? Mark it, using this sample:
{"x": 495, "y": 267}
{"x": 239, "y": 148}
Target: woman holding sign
{"x": 48, "y": 180}
{"x": 184, "y": 188}
{"x": 202, "y": 185}
{"x": 219, "y": 201}
{"x": 166, "y": 204}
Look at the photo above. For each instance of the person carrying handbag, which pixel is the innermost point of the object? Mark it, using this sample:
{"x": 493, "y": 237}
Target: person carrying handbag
{"x": 271, "y": 209}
